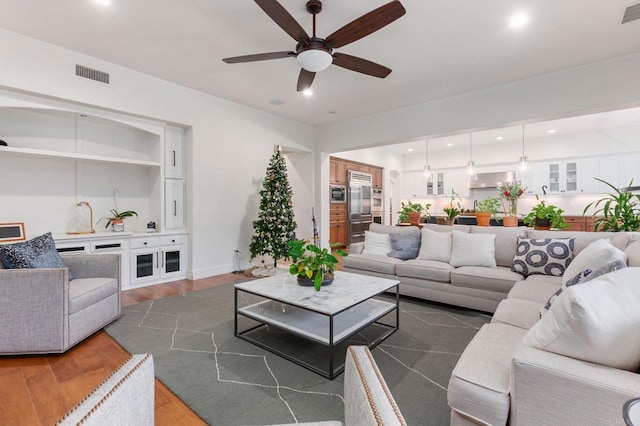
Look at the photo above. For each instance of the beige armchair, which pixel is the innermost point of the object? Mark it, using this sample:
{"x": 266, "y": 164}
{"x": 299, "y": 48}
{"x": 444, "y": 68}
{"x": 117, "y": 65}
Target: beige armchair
{"x": 41, "y": 311}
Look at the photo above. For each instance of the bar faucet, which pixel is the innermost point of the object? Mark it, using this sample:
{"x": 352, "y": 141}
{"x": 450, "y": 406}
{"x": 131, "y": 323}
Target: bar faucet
{"x": 544, "y": 189}
{"x": 475, "y": 205}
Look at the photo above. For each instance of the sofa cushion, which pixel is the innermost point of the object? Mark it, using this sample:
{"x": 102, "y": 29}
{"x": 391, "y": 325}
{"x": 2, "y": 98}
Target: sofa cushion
{"x": 479, "y": 384}
{"x": 472, "y": 249}
{"x": 633, "y": 252}
{"x": 597, "y": 254}
{"x": 404, "y": 246}
{"x": 585, "y": 276}
{"x": 379, "y": 244}
{"x": 506, "y": 240}
{"x": 498, "y": 279}
{"x": 371, "y": 262}
{"x": 38, "y": 252}
{"x": 536, "y": 288}
{"x": 435, "y": 246}
{"x": 85, "y": 292}
{"x": 547, "y": 256}
{"x": 582, "y": 238}
{"x": 386, "y": 229}
{"x": 517, "y": 312}
{"x": 597, "y": 323}
{"x": 425, "y": 269}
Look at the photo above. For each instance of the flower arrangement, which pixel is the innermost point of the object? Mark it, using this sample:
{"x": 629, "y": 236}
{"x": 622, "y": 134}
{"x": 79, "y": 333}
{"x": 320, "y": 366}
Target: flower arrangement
{"x": 312, "y": 263}
{"x": 509, "y": 194}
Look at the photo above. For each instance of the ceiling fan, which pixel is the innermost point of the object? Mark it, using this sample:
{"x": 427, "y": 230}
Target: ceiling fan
{"x": 315, "y": 54}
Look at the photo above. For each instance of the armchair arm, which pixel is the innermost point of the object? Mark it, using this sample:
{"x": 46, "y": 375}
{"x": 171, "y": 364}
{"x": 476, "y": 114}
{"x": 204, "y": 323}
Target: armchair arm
{"x": 104, "y": 265}
{"x": 356, "y": 248}
{"x": 34, "y": 307}
{"x": 548, "y": 388}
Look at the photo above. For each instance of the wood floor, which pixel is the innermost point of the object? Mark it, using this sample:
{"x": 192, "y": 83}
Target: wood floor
{"x": 39, "y": 390}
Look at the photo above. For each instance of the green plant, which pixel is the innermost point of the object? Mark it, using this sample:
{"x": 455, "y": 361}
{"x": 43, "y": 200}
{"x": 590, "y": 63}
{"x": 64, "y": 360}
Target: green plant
{"x": 546, "y": 212}
{"x": 405, "y": 209}
{"x": 311, "y": 262}
{"x": 454, "y": 207}
{"x": 620, "y": 211}
{"x": 509, "y": 194}
{"x": 488, "y": 205}
{"x": 115, "y": 214}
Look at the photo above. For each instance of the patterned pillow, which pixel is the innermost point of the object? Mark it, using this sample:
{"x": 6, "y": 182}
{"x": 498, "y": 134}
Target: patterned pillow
{"x": 405, "y": 246}
{"x": 583, "y": 277}
{"x": 548, "y": 256}
{"x": 39, "y": 252}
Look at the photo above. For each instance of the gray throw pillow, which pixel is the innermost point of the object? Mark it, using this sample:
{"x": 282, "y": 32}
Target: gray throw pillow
{"x": 583, "y": 277}
{"x": 546, "y": 256}
{"x": 39, "y": 252}
{"x": 405, "y": 246}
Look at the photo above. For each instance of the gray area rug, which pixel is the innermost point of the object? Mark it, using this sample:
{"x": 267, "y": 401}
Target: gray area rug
{"x": 228, "y": 381}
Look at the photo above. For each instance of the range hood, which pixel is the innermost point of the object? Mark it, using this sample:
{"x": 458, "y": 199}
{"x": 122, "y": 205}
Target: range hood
{"x": 491, "y": 180}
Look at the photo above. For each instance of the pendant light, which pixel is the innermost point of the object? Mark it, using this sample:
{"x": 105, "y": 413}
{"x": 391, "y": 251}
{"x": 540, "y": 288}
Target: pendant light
{"x": 524, "y": 161}
{"x": 427, "y": 168}
{"x": 471, "y": 166}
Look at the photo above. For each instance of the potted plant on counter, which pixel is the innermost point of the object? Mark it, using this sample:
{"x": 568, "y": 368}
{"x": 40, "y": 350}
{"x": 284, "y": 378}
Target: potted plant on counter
{"x": 544, "y": 216}
{"x": 486, "y": 209}
{"x": 411, "y": 212}
{"x": 509, "y": 195}
{"x": 620, "y": 211}
{"x": 313, "y": 266}
{"x": 453, "y": 209}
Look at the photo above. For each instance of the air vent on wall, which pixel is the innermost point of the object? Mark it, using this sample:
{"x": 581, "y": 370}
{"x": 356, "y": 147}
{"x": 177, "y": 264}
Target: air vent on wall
{"x": 92, "y": 74}
{"x": 631, "y": 13}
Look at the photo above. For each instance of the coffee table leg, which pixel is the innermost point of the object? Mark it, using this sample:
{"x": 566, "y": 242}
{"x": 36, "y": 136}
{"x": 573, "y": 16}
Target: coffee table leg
{"x": 331, "y": 348}
{"x": 235, "y": 311}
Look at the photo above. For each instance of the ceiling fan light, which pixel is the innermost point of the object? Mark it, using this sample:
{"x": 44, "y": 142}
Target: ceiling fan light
{"x": 314, "y": 60}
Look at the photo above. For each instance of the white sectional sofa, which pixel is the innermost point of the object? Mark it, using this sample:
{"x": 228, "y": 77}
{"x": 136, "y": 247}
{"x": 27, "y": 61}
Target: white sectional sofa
{"x": 577, "y": 365}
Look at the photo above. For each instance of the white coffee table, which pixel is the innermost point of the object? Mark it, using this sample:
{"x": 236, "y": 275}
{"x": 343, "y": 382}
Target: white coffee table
{"x": 328, "y": 317}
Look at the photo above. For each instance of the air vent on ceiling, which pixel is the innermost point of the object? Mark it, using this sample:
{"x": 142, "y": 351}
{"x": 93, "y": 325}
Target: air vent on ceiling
{"x": 90, "y": 73}
{"x": 631, "y": 13}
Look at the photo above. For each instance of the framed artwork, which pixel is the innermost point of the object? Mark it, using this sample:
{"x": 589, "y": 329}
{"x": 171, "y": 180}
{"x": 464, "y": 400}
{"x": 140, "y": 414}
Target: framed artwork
{"x": 11, "y": 232}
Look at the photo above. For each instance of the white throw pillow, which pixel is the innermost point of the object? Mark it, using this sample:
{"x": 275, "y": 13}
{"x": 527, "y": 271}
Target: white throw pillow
{"x": 473, "y": 249}
{"x": 597, "y": 254}
{"x": 379, "y": 244}
{"x": 596, "y": 322}
{"x": 435, "y": 246}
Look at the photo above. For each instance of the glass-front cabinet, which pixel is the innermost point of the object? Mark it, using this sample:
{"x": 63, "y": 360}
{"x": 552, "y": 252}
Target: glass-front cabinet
{"x": 157, "y": 258}
{"x": 563, "y": 177}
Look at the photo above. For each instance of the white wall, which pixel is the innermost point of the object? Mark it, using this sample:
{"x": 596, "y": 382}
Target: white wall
{"x": 229, "y": 145}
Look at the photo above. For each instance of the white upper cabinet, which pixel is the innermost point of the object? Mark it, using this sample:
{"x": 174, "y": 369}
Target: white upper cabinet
{"x": 173, "y": 152}
{"x": 629, "y": 169}
{"x": 415, "y": 185}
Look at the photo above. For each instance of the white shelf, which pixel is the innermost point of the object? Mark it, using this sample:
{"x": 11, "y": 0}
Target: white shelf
{"x": 315, "y": 326}
{"x": 77, "y": 156}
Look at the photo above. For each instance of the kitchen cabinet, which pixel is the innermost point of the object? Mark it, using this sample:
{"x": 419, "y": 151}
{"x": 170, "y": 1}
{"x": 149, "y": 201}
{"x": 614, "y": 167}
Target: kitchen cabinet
{"x": 629, "y": 166}
{"x": 376, "y": 174}
{"x": 457, "y": 181}
{"x": 562, "y": 177}
{"x": 157, "y": 258}
{"x": 435, "y": 186}
{"x": 609, "y": 171}
{"x": 579, "y": 223}
{"x": 338, "y": 226}
{"x": 338, "y": 171}
{"x": 414, "y": 185}
{"x": 588, "y": 169}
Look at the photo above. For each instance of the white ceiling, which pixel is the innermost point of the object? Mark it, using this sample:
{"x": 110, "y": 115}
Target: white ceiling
{"x": 438, "y": 49}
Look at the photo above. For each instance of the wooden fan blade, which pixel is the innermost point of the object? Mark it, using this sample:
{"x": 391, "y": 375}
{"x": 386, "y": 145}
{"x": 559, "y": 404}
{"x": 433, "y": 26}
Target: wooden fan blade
{"x": 305, "y": 79}
{"x": 356, "y": 64}
{"x": 366, "y": 24}
{"x": 283, "y": 18}
{"x": 259, "y": 57}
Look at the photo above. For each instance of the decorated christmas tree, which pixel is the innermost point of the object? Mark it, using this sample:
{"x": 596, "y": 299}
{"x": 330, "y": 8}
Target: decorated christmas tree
{"x": 275, "y": 225}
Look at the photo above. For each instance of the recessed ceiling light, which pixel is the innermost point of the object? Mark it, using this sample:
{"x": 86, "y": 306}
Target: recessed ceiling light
{"x": 449, "y": 144}
{"x": 499, "y": 138}
{"x": 551, "y": 131}
{"x": 410, "y": 149}
{"x": 307, "y": 92}
{"x": 518, "y": 20}
{"x": 103, "y": 2}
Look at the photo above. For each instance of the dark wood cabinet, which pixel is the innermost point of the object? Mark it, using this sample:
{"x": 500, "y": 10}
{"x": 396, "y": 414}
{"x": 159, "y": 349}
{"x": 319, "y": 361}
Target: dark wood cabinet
{"x": 376, "y": 174}
{"x": 338, "y": 226}
{"x": 579, "y": 223}
{"x": 338, "y": 171}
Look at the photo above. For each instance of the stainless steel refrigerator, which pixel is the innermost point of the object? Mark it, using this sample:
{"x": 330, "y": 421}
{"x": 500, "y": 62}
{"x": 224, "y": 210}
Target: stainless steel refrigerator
{"x": 359, "y": 203}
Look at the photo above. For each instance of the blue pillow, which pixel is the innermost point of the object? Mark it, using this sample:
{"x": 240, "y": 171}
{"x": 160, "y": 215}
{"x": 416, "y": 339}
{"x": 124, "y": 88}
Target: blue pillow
{"x": 39, "y": 252}
{"x": 405, "y": 246}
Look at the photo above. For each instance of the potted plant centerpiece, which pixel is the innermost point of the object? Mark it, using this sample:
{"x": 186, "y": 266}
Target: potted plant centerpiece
{"x": 116, "y": 220}
{"x": 411, "y": 212}
{"x": 619, "y": 211}
{"x": 544, "y": 216}
{"x": 453, "y": 209}
{"x": 313, "y": 266}
{"x": 509, "y": 194}
{"x": 486, "y": 208}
